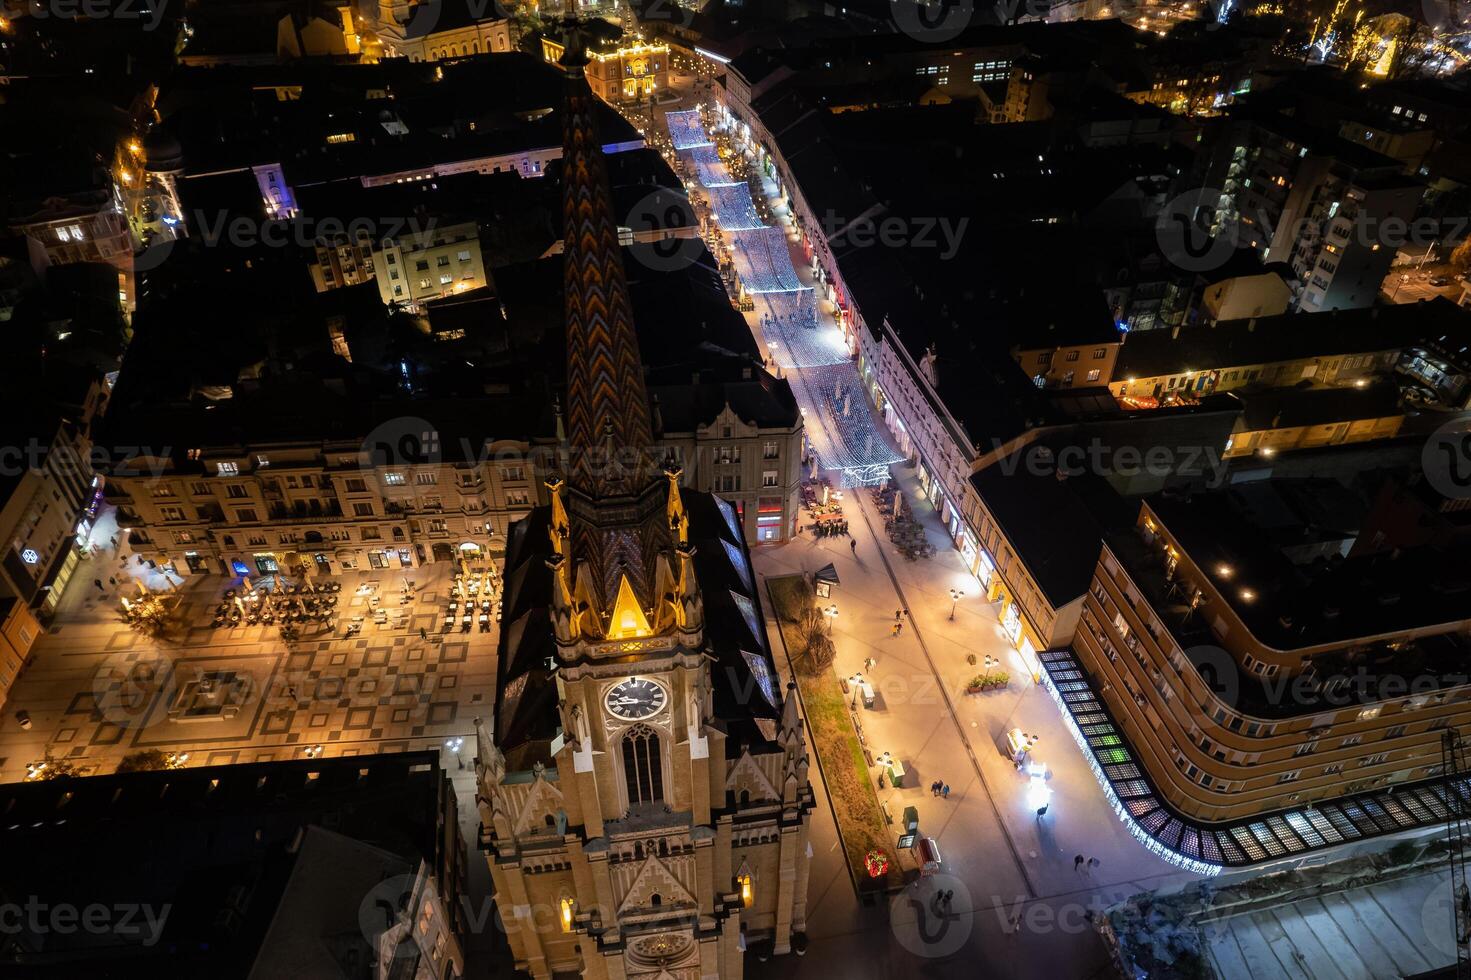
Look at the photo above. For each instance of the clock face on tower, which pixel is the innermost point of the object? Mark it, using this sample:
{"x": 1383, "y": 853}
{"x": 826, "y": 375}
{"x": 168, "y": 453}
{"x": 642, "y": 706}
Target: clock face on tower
{"x": 635, "y": 699}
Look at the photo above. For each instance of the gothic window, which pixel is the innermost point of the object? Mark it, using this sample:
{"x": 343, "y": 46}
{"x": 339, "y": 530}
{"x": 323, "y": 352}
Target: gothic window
{"x": 569, "y": 909}
{"x": 643, "y": 769}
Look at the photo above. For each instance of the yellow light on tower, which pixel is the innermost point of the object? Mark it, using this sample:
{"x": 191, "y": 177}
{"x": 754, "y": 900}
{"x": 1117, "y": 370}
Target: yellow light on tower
{"x": 569, "y": 906}
{"x": 748, "y": 895}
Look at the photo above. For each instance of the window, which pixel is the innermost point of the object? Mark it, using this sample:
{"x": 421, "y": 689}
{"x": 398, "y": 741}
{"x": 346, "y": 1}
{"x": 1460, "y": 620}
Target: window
{"x": 354, "y": 485}
{"x": 1394, "y": 731}
{"x": 442, "y": 262}
{"x": 512, "y": 473}
{"x": 171, "y": 513}
{"x": 518, "y": 498}
{"x": 246, "y": 515}
{"x": 446, "y": 279}
{"x": 1093, "y": 375}
{"x": 1368, "y": 714}
{"x": 1373, "y": 760}
{"x": 643, "y": 766}
{"x": 362, "y": 510}
{"x": 394, "y": 479}
{"x": 1099, "y": 353}
{"x": 768, "y": 478}
{"x": 569, "y": 909}
{"x": 1288, "y": 777}
{"x": 1044, "y": 358}
{"x": 227, "y": 469}
{"x": 438, "y": 525}
{"x": 1072, "y": 355}
{"x": 464, "y": 255}
{"x": 748, "y": 894}
{"x": 199, "y": 489}
{"x": 1351, "y": 740}
{"x": 421, "y": 265}
{"x": 1067, "y": 379}
{"x": 770, "y": 450}
{"x": 428, "y": 478}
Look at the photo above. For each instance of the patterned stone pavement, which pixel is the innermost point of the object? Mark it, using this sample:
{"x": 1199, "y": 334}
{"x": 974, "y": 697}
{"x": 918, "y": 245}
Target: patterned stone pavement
{"x": 97, "y": 690}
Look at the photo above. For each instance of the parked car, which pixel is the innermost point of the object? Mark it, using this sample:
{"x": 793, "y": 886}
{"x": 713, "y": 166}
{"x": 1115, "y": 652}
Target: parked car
{"x": 1439, "y": 281}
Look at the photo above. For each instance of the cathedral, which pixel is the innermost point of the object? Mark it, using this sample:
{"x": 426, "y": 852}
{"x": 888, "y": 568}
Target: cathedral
{"x": 643, "y": 777}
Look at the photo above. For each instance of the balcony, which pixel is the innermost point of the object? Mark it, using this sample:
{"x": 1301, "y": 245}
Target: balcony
{"x": 304, "y": 512}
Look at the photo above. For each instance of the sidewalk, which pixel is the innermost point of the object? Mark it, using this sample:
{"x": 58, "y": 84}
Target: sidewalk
{"x": 1005, "y": 862}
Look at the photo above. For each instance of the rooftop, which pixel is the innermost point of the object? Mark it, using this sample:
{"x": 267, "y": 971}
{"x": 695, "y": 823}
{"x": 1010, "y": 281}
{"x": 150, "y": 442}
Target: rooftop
{"x": 1289, "y": 336}
{"x": 203, "y": 841}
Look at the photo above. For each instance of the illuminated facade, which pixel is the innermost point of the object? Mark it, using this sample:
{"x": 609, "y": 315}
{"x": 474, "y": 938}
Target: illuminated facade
{"x": 628, "y": 74}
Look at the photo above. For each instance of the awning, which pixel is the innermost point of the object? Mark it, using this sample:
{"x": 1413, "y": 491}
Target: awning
{"x": 828, "y": 574}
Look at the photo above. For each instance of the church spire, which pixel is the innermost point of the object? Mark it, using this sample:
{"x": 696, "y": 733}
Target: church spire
{"x": 607, "y": 406}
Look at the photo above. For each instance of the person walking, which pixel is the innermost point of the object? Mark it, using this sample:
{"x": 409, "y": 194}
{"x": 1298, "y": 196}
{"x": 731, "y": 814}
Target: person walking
{"x": 853, "y": 546}
{"x": 423, "y": 633}
{"x": 1094, "y": 863}
{"x": 899, "y": 627}
{"x": 945, "y": 791}
{"x": 1078, "y": 863}
{"x": 935, "y": 788}
{"x": 98, "y": 582}
{"x": 894, "y": 630}
{"x": 897, "y": 613}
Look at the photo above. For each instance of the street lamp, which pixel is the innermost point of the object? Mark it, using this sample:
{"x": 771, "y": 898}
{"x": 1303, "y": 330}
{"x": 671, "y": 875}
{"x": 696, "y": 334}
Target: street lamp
{"x": 453, "y": 744}
{"x": 831, "y": 612}
{"x": 955, "y": 595}
{"x": 853, "y": 682}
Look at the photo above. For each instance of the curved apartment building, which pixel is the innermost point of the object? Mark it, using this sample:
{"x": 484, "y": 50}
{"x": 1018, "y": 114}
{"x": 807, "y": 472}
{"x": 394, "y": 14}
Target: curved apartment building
{"x": 1259, "y": 670}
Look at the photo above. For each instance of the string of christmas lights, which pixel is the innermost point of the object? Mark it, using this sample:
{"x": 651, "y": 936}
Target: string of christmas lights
{"x": 762, "y": 261}
{"x": 842, "y": 429}
{"x": 734, "y": 208}
{"x": 686, "y": 130}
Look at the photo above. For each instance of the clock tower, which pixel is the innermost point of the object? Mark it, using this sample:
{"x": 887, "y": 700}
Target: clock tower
{"x": 643, "y": 777}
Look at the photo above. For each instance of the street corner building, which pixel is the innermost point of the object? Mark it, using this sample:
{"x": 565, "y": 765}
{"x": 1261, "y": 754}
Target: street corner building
{"x": 643, "y": 780}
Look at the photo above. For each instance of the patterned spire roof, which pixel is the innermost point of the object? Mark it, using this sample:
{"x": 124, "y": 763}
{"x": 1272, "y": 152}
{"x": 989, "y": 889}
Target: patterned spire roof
{"x": 616, "y": 504}
{"x": 607, "y": 405}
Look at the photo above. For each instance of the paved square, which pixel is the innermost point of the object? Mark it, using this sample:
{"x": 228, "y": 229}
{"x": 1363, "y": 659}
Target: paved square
{"x": 97, "y": 690}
